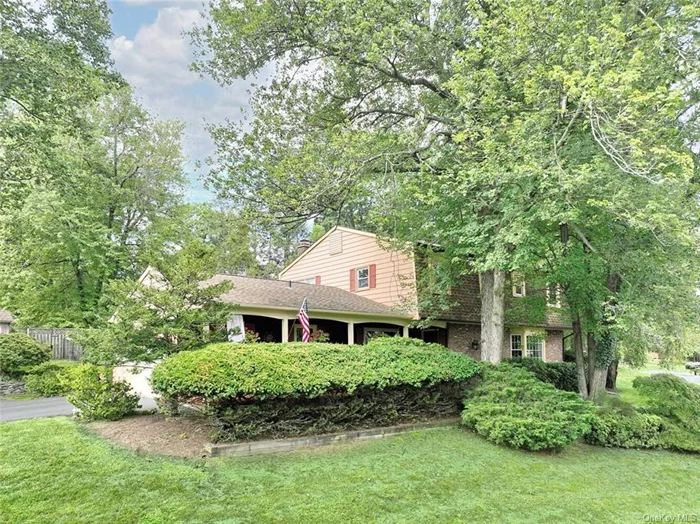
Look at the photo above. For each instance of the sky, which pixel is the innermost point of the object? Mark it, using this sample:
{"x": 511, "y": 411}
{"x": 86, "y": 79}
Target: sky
{"x": 151, "y": 52}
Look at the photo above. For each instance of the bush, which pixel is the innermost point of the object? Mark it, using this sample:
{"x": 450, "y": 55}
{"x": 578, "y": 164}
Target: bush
{"x": 618, "y": 424}
{"x": 305, "y": 369}
{"x": 512, "y": 407}
{"x": 669, "y": 419}
{"x": 20, "y": 352}
{"x": 678, "y": 402}
{"x": 96, "y": 396}
{"x": 46, "y": 379}
{"x": 671, "y": 397}
{"x": 295, "y": 388}
{"x": 561, "y": 375}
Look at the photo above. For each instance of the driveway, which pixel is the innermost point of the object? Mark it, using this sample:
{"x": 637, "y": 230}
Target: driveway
{"x": 693, "y": 379}
{"x": 36, "y": 408}
{"x": 47, "y": 407}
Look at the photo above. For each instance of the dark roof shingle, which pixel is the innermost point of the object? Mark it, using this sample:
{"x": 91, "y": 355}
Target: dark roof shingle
{"x": 259, "y": 292}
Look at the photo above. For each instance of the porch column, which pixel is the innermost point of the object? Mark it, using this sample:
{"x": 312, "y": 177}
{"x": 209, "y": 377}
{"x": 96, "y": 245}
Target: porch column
{"x": 285, "y": 330}
{"x": 405, "y": 331}
{"x": 351, "y": 332}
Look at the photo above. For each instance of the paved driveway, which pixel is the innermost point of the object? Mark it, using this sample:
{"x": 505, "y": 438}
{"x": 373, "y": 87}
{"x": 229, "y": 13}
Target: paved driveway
{"x": 37, "y": 408}
{"x": 694, "y": 379}
{"x": 46, "y": 407}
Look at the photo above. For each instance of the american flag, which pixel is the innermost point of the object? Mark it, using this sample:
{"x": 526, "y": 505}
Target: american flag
{"x": 303, "y": 317}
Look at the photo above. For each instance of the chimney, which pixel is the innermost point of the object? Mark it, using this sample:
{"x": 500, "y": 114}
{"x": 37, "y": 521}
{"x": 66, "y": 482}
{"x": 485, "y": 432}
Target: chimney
{"x": 303, "y": 246}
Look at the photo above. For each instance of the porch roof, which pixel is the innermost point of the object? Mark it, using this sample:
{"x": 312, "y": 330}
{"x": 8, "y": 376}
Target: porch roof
{"x": 283, "y": 294}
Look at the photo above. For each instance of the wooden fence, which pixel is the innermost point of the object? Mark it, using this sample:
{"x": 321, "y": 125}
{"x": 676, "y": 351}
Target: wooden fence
{"x": 62, "y": 347}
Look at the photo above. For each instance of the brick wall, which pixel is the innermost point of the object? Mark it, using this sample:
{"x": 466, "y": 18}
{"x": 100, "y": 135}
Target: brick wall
{"x": 554, "y": 346}
{"x": 461, "y": 336}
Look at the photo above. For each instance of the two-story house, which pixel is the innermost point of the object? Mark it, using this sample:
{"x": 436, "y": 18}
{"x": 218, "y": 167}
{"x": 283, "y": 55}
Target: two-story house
{"x": 357, "y": 263}
{"x": 357, "y": 287}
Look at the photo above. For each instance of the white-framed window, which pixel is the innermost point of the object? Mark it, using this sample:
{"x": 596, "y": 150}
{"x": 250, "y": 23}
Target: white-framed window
{"x": 519, "y": 289}
{"x": 553, "y": 296}
{"x": 363, "y": 278}
{"x": 518, "y": 285}
{"x": 516, "y": 346}
{"x": 535, "y": 347}
{"x": 370, "y": 332}
{"x": 307, "y": 280}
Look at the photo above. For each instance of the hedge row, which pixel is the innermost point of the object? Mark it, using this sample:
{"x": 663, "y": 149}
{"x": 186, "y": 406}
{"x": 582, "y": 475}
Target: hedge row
{"x": 260, "y": 371}
{"x": 277, "y": 390}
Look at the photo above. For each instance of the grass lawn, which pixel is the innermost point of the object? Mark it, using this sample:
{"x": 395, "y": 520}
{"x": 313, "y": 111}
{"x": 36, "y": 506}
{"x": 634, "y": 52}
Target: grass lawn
{"x": 53, "y": 470}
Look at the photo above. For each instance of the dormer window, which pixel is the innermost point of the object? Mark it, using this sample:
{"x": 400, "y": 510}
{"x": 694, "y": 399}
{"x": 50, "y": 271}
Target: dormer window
{"x": 363, "y": 278}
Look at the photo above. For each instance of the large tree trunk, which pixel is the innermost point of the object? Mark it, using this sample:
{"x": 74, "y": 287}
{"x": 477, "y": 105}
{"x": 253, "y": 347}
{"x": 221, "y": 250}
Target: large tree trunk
{"x": 580, "y": 359}
{"x": 611, "y": 380}
{"x": 492, "y": 315}
{"x": 596, "y": 375}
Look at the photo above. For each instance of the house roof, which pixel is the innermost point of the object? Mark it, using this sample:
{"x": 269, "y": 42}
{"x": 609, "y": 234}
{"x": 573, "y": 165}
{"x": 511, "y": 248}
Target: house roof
{"x": 284, "y": 294}
{"x": 6, "y": 317}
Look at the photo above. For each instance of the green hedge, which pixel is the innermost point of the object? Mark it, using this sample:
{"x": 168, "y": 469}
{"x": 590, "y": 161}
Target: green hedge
{"x": 512, "y": 407}
{"x": 309, "y": 370}
{"x": 561, "y": 375}
{"x": 636, "y": 430}
{"x": 20, "y": 352}
{"x": 670, "y": 418}
{"x": 275, "y": 390}
{"x": 47, "y": 379}
{"x": 671, "y": 397}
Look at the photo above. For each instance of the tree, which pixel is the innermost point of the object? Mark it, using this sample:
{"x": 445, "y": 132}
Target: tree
{"x": 482, "y": 127}
{"x": 87, "y": 224}
{"x": 174, "y": 313}
{"x": 53, "y": 62}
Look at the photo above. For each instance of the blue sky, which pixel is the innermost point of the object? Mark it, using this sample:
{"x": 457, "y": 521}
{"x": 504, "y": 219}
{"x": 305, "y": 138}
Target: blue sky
{"x": 153, "y": 55}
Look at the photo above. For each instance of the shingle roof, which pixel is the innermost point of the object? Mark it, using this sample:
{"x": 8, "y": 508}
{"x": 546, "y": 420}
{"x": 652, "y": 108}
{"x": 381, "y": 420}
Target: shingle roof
{"x": 6, "y": 316}
{"x": 259, "y": 292}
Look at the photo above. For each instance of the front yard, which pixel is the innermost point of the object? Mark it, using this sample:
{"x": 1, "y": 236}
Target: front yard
{"x": 53, "y": 470}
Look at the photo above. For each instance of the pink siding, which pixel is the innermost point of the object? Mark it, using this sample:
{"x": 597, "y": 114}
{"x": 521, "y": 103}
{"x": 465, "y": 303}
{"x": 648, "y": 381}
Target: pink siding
{"x": 334, "y": 257}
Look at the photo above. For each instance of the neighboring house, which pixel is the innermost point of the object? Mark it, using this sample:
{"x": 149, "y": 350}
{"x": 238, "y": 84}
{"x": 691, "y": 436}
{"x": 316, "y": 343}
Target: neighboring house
{"x": 359, "y": 264}
{"x": 6, "y": 320}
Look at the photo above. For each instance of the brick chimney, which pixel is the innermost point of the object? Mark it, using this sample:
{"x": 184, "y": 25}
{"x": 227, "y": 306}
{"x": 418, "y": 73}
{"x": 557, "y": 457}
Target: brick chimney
{"x": 303, "y": 246}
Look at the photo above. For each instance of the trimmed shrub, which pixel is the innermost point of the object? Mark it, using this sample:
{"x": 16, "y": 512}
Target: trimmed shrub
{"x": 640, "y": 430}
{"x": 561, "y": 375}
{"x": 46, "y": 379}
{"x": 678, "y": 402}
{"x": 512, "y": 407}
{"x": 672, "y": 397}
{"x": 95, "y": 395}
{"x": 20, "y": 352}
{"x": 295, "y": 388}
{"x": 618, "y": 424}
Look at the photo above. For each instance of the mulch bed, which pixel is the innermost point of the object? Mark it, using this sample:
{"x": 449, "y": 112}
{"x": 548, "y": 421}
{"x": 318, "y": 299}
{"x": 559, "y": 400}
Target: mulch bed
{"x": 178, "y": 436}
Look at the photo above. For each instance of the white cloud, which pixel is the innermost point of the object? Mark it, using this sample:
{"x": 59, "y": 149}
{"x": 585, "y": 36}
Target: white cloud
{"x": 156, "y": 63}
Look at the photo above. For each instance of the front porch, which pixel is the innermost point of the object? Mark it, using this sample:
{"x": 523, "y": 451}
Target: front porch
{"x": 282, "y": 326}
